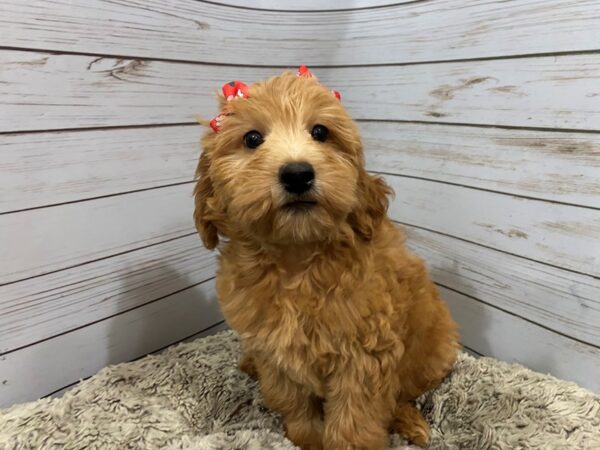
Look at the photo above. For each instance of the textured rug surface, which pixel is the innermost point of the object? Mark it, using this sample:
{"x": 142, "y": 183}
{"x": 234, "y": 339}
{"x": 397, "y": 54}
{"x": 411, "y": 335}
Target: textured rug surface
{"x": 193, "y": 397}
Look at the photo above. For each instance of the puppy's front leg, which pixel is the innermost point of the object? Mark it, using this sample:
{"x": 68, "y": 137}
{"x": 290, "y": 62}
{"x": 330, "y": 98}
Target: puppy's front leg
{"x": 300, "y": 409}
{"x": 358, "y": 407}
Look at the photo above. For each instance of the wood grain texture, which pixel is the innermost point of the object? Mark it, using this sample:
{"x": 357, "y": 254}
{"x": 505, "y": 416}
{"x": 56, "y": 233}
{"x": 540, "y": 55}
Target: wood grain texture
{"x": 47, "y": 168}
{"x": 101, "y": 281}
{"x": 492, "y": 332}
{"x": 562, "y": 301}
{"x": 197, "y": 31}
{"x": 549, "y": 92}
{"x": 561, "y": 167}
{"x": 562, "y": 235}
{"x": 41, "y": 241}
{"x": 312, "y": 5}
{"x": 41, "y": 91}
{"x": 40, "y": 308}
{"x": 55, "y": 167}
{"x": 70, "y": 357}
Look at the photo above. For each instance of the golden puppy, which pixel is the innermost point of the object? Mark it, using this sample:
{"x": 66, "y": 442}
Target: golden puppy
{"x": 342, "y": 325}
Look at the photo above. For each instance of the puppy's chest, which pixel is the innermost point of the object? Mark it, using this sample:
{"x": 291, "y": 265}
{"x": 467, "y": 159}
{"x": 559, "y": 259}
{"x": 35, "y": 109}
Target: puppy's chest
{"x": 312, "y": 336}
{"x": 309, "y": 330}
{"x": 303, "y": 346}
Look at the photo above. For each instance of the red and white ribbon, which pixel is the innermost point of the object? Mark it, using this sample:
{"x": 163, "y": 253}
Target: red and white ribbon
{"x": 237, "y": 89}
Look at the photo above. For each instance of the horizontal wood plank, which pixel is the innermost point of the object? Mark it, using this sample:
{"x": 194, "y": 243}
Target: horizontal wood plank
{"x": 48, "y": 168}
{"x": 549, "y": 92}
{"x": 40, "y": 308}
{"x": 312, "y": 5}
{"x": 200, "y": 31}
{"x": 56, "y": 167}
{"x": 492, "y": 332}
{"x": 562, "y": 167}
{"x": 127, "y": 336}
{"x": 41, "y": 91}
{"x": 70, "y": 357}
{"x": 41, "y": 241}
{"x": 565, "y": 302}
{"x": 562, "y": 235}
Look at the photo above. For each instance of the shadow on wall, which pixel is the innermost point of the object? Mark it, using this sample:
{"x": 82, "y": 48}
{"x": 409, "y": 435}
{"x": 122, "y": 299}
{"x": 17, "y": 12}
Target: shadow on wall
{"x": 488, "y": 330}
{"x": 164, "y": 319}
{"x": 153, "y": 309}
{"x": 469, "y": 313}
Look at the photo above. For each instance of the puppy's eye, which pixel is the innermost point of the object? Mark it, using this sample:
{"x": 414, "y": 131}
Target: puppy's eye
{"x": 319, "y": 133}
{"x": 253, "y": 139}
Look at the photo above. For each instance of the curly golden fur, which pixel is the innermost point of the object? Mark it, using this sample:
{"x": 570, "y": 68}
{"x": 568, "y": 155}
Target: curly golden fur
{"x": 341, "y": 324}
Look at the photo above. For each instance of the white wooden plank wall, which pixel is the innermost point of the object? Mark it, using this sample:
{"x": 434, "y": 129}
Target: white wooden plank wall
{"x": 484, "y": 116}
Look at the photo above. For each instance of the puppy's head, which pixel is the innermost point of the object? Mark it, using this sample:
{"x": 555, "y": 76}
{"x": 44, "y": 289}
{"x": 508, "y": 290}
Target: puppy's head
{"x": 286, "y": 166}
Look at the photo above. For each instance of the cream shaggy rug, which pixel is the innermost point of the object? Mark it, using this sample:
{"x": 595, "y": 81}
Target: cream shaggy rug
{"x": 193, "y": 397}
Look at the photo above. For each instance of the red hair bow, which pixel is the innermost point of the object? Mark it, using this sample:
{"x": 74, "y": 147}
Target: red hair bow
{"x": 231, "y": 91}
{"x": 303, "y": 71}
{"x": 215, "y": 124}
{"x": 237, "y": 89}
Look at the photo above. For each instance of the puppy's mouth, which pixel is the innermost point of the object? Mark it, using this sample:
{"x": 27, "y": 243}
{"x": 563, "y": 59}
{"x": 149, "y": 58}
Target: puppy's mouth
{"x": 300, "y": 205}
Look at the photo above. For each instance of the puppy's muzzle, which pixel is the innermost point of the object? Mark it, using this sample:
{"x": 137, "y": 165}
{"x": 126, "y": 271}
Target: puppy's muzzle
{"x": 297, "y": 177}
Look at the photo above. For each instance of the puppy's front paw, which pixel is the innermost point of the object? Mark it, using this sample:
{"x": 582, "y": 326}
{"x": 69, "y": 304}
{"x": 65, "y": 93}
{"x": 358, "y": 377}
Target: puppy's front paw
{"x": 306, "y": 434}
{"x": 411, "y": 425}
{"x": 418, "y": 435}
{"x": 311, "y": 446}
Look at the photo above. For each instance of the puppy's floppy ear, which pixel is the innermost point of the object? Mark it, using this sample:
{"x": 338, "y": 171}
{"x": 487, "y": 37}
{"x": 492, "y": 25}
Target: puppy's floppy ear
{"x": 202, "y": 193}
{"x": 372, "y": 193}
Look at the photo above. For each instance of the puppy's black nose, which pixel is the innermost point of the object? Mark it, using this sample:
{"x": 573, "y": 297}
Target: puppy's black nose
{"x": 297, "y": 177}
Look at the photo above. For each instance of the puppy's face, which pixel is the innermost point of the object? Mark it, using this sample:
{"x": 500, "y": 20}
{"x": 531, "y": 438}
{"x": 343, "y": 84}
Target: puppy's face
{"x": 284, "y": 168}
